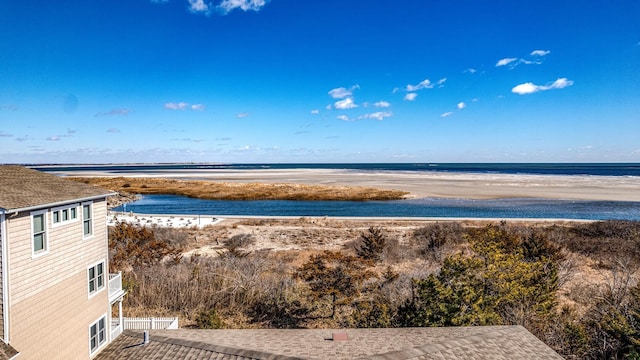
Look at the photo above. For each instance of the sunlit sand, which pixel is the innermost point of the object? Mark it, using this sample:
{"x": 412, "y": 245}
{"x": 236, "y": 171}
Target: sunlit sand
{"x": 423, "y": 184}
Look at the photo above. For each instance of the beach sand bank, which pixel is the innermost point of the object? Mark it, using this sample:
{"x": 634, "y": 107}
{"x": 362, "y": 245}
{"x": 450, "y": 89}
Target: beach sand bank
{"x": 421, "y": 184}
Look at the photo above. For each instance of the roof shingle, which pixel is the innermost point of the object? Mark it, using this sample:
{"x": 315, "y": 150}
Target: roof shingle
{"x": 481, "y": 342}
{"x": 23, "y": 188}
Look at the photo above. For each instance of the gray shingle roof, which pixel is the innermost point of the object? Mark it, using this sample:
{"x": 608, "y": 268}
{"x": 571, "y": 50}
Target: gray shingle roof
{"x": 488, "y": 342}
{"x": 23, "y": 188}
{"x": 7, "y": 351}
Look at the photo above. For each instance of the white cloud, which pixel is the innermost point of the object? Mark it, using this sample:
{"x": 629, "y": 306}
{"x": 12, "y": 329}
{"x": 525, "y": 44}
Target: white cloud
{"x": 198, "y": 6}
{"x": 176, "y": 106}
{"x": 526, "y": 88}
{"x": 561, "y": 83}
{"x": 505, "y": 61}
{"x": 245, "y": 5}
{"x": 529, "y": 62}
{"x": 470, "y": 70}
{"x": 448, "y": 113}
{"x": 329, "y": 107}
{"x": 424, "y": 84}
{"x": 441, "y": 82}
{"x": 113, "y": 131}
{"x": 474, "y": 100}
{"x": 170, "y": 106}
{"x": 376, "y": 115}
{"x": 343, "y": 117}
{"x": 248, "y": 148}
{"x": 341, "y": 92}
{"x": 315, "y": 111}
{"x": 530, "y": 88}
{"x": 513, "y": 62}
{"x": 53, "y": 138}
{"x": 461, "y": 105}
{"x": 242, "y": 115}
{"x": 410, "y": 96}
{"x": 540, "y": 52}
{"x": 121, "y": 112}
{"x": 345, "y": 104}
{"x": 382, "y": 104}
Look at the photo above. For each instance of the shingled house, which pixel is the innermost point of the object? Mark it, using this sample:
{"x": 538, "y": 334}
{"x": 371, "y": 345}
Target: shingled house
{"x": 57, "y": 295}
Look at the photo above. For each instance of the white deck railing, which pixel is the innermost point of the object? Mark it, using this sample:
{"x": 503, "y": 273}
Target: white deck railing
{"x": 115, "y": 287}
{"x": 150, "y": 323}
{"x": 116, "y": 328}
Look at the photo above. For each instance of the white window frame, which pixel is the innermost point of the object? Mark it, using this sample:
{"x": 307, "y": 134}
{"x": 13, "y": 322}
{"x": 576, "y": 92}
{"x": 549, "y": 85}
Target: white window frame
{"x": 91, "y": 217}
{"x": 59, "y": 211}
{"x": 45, "y": 242}
{"x": 97, "y": 289}
{"x": 105, "y": 341}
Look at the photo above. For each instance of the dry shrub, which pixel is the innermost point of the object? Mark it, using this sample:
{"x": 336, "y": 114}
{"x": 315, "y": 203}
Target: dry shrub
{"x": 131, "y": 246}
{"x": 605, "y": 241}
{"x": 240, "y": 241}
{"x": 200, "y": 284}
{"x": 434, "y": 240}
{"x": 178, "y": 238}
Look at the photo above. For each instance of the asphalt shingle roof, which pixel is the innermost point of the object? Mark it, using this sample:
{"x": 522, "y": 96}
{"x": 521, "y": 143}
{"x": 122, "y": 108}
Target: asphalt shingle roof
{"x": 487, "y": 342}
{"x": 7, "y": 351}
{"x": 23, "y": 188}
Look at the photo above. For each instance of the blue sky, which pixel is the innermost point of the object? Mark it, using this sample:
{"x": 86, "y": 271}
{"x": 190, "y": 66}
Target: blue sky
{"x": 319, "y": 81}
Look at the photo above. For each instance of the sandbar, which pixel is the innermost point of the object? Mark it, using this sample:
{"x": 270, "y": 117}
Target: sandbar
{"x": 419, "y": 184}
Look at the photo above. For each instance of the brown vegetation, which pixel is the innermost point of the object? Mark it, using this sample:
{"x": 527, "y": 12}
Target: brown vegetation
{"x": 573, "y": 285}
{"x": 240, "y": 191}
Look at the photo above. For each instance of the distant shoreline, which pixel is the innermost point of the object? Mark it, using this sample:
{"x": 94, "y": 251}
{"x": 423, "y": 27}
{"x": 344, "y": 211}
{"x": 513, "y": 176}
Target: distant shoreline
{"x": 597, "y": 169}
{"x": 417, "y": 184}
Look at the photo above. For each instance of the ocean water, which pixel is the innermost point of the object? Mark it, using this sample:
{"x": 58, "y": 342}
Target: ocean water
{"x": 449, "y": 208}
{"x": 599, "y": 169}
{"x": 439, "y": 208}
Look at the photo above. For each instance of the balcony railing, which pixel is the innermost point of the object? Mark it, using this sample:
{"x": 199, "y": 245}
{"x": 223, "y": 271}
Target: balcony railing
{"x": 116, "y": 328}
{"x": 150, "y": 323}
{"x": 115, "y": 287}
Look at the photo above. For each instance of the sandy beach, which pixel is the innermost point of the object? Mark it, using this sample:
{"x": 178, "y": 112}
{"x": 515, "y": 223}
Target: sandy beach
{"x": 421, "y": 184}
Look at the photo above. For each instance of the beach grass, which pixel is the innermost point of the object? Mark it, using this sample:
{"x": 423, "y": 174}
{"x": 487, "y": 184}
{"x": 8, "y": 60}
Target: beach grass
{"x": 211, "y": 190}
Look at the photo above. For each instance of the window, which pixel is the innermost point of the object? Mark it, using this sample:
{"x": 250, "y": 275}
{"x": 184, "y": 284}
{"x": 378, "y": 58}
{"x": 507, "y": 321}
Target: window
{"x": 96, "y": 278}
{"x": 39, "y": 231}
{"x": 64, "y": 214}
{"x": 98, "y": 334}
{"x": 87, "y": 223}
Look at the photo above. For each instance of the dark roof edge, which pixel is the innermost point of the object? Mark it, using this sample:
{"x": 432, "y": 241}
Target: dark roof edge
{"x": 57, "y": 203}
